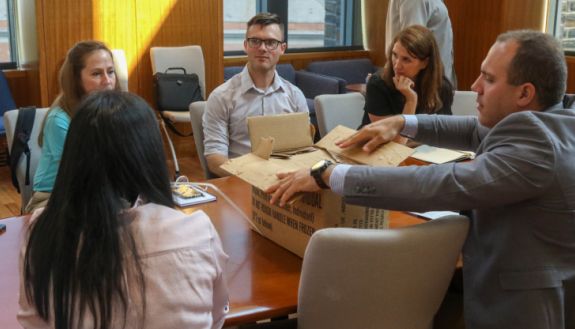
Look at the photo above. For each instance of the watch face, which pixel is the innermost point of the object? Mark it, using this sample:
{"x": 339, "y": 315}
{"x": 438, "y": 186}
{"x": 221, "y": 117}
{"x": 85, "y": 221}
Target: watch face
{"x": 318, "y": 165}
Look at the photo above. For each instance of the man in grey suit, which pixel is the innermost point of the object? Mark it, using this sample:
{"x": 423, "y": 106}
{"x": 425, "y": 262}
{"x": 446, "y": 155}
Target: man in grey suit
{"x": 519, "y": 256}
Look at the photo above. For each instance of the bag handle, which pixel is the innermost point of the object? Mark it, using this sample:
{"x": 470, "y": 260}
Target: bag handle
{"x": 175, "y": 69}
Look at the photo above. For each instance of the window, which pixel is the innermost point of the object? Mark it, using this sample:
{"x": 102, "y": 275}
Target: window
{"x": 311, "y": 25}
{"x": 7, "y": 40}
{"x": 561, "y": 23}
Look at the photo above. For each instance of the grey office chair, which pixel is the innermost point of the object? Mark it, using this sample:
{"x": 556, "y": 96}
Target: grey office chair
{"x": 393, "y": 278}
{"x": 10, "y": 119}
{"x": 190, "y": 58}
{"x": 339, "y": 109}
{"x": 196, "y": 114}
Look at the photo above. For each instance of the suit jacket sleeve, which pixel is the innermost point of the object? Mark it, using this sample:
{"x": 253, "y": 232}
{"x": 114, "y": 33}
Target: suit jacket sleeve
{"x": 454, "y": 132}
{"x": 515, "y": 162}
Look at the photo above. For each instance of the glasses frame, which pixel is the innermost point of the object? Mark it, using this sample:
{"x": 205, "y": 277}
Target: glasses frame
{"x": 270, "y": 44}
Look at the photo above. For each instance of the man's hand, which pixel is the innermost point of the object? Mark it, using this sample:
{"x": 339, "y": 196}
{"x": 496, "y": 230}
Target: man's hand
{"x": 291, "y": 183}
{"x": 375, "y": 134}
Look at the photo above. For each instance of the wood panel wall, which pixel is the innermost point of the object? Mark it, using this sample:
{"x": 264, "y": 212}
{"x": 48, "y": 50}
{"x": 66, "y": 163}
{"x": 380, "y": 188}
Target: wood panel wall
{"x": 571, "y": 74}
{"x": 132, "y": 25}
{"x": 476, "y": 25}
{"x": 24, "y": 86}
{"x": 375, "y": 13}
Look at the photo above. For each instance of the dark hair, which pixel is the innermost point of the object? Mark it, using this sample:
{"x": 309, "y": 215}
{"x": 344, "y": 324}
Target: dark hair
{"x": 539, "y": 60}
{"x": 80, "y": 247}
{"x": 420, "y": 43}
{"x": 265, "y": 19}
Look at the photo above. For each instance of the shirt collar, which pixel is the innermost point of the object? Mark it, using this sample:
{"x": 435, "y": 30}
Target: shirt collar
{"x": 247, "y": 84}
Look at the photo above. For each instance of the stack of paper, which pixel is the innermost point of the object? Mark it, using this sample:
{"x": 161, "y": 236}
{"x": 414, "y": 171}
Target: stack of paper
{"x": 440, "y": 155}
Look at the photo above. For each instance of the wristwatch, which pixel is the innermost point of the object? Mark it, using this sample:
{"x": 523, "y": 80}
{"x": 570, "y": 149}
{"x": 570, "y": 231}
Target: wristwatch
{"x": 317, "y": 170}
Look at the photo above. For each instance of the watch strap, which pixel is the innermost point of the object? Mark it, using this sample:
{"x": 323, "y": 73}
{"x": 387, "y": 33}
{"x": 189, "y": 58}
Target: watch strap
{"x": 317, "y": 173}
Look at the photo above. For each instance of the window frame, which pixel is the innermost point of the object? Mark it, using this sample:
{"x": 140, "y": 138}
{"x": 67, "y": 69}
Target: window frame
{"x": 553, "y": 25}
{"x": 352, "y": 26}
{"x": 10, "y": 15}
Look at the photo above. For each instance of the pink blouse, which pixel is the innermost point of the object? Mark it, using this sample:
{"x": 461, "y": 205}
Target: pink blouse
{"x": 183, "y": 265}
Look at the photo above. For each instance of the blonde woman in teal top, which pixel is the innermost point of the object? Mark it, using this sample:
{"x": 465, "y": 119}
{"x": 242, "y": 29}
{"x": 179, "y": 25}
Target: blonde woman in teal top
{"x": 88, "y": 67}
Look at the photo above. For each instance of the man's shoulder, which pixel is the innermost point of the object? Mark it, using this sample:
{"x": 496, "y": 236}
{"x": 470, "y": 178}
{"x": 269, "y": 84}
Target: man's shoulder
{"x": 286, "y": 83}
{"x": 229, "y": 86}
{"x": 548, "y": 124}
{"x": 555, "y": 113}
{"x": 289, "y": 88}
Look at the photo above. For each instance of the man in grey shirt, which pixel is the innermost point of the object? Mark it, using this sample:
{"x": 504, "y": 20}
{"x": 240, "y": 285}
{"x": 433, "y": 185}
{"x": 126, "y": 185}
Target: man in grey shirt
{"x": 257, "y": 90}
{"x": 429, "y": 13}
{"x": 519, "y": 255}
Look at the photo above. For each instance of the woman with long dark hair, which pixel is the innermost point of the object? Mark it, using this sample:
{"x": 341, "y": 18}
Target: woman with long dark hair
{"x": 109, "y": 250}
{"x": 412, "y": 81}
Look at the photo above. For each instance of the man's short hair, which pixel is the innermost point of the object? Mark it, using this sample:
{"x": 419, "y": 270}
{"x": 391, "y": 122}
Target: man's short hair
{"x": 265, "y": 19}
{"x": 540, "y": 61}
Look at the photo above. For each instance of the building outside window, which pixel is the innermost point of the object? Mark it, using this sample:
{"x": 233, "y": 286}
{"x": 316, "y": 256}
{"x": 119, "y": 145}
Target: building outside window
{"x": 312, "y": 25}
{"x": 7, "y": 42}
{"x": 561, "y": 23}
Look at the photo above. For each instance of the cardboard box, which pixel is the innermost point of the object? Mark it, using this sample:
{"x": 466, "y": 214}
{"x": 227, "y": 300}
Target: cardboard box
{"x": 293, "y": 225}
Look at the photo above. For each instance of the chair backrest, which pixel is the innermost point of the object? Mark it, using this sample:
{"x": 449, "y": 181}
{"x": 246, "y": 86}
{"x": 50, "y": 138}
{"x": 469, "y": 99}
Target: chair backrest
{"x": 190, "y": 58}
{"x": 351, "y": 70}
{"x": 10, "y": 119}
{"x": 121, "y": 67}
{"x": 464, "y": 103}
{"x": 6, "y": 100}
{"x": 196, "y": 114}
{"x": 394, "y": 278}
{"x": 338, "y": 109}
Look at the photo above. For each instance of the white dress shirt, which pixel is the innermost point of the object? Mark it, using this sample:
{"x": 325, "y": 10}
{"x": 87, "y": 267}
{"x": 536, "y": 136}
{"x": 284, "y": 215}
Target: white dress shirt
{"x": 229, "y": 106}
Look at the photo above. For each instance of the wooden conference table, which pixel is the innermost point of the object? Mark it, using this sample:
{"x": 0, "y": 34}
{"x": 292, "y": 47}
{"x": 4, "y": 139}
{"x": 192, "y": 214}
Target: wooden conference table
{"x": 263, "y": 277}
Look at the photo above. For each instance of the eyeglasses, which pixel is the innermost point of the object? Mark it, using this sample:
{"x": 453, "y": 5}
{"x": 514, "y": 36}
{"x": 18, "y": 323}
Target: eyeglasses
{"x": 271, "y": 44}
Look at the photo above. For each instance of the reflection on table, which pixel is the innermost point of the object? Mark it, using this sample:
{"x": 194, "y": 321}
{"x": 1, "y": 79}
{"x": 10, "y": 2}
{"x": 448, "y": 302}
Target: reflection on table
{"x": 263, "y": 277}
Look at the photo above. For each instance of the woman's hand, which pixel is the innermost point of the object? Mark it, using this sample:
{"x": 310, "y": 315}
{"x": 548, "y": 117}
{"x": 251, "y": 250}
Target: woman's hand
{"x": 405, "y": 86}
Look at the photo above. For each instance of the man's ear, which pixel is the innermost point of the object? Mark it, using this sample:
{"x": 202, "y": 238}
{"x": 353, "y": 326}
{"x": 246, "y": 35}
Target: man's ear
{"x": 528, "y": 95}
{"x": 283, "y": 47}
